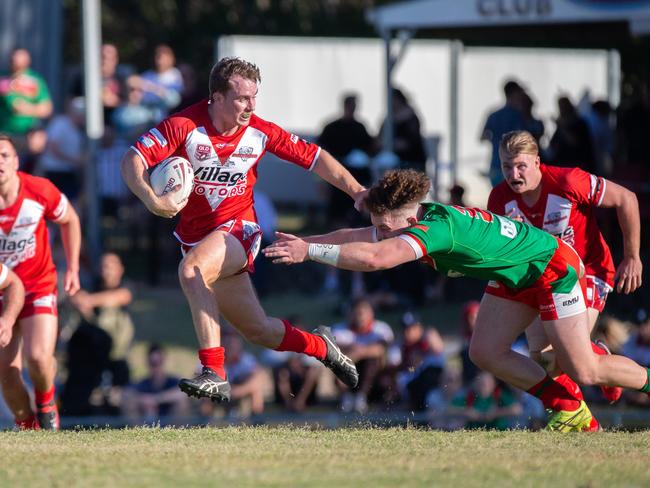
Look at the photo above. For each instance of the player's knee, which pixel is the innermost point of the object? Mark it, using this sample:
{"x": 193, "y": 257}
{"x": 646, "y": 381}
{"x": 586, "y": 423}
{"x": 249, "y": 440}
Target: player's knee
{"x": 188, "y": 271}
{"x": 39, "y": 363}
{"x": 586, "y": 375}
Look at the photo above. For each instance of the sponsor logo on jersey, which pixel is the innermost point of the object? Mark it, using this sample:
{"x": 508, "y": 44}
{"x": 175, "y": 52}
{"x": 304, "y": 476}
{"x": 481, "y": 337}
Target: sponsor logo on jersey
{"x": 294, "y": 138}
{"x": 11, "y": 245}
{"x": 245, "y": 152}
{"x": 216, "y": 174}
{"x": 555, "y": 218}
{"x": 6, "y": 218}
{"x": 221, "y": 145}
{"x": 158, "y": 137}
{"x": 202, "y": 152}
{"x": 146, "y": 141}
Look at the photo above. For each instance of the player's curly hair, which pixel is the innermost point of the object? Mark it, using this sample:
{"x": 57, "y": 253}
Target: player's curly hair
{"x": 226, "y": 68}
{"x": 396, "y": 189}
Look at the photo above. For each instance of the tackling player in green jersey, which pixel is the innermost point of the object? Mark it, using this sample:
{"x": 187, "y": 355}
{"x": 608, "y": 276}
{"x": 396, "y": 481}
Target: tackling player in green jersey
{"x": 531, "y": 273}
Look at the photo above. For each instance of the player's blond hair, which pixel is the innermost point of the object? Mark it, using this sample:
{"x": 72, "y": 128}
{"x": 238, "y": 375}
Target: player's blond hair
{"x": 226, "y": 68}
{"x": 397, "y": 189}
{"x": 517, "y": 142}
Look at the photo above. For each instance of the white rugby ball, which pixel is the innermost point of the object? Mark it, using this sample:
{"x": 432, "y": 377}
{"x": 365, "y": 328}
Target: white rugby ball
{"x": 170, "y": 173}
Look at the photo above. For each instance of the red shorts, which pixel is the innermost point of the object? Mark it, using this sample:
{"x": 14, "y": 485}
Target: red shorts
{"x": 247, "y": 232}
{"x": 596, "y": 293}
{"x": 41, "y": 302}
{"x": 560, "y": 291}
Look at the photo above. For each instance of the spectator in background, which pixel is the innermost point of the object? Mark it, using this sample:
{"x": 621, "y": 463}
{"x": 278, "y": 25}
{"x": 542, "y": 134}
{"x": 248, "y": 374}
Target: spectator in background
{"x": 24, "y": 98}
{"x": 364, "y": 340}
{"x": 506, "y": 119}
{"x": 571, "y": 143}
{"x": 408, "y": 144}
{"x": 99, "y": 346}
{"x": 244, "y": 374}
{"x": 637, "y": 348}
{"x": 36, "y": 141}
{"x": 598, "y": 120}
{"x": 111, "y": 83}
{"x": 456, "y": 194}
{"x": 133, "y": 118}
{"x": 111, "y": 187}
{"x": 531, "y": 124}
{"x": 614, "y": 332}
{"x": 467, "y": 321}
{"x": 164, "y": 84}
{"x": 157, "y": 395}
{"x": 64, "y": 158}
{"x": 486, "y": 405}
{"x": 422, "y": 361}
{"x": 192, "y": 92}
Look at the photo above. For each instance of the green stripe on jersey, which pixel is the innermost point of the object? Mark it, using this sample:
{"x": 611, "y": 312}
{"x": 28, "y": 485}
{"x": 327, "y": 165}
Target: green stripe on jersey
{"x": 480, "y": 244}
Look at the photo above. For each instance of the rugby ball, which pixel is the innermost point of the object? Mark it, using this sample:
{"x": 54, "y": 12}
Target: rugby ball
{"x": 170, "y": 173}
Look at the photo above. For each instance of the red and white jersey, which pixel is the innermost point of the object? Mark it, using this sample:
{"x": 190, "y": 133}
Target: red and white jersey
{"x": 24, "y": 239}
{"x": 225, "y": 167}
{"x": 565, "y": 209}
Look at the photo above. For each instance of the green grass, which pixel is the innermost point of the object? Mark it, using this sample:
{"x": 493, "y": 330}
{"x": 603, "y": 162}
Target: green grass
{"x": 283, "y": 457}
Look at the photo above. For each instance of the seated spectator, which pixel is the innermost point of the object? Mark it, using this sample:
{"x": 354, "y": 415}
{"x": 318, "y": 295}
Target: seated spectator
{"x": 637, "y": 348}
{"x": 422, "y": 361}
{"x": 64, "y": 158}
{"x": 157, "y": 395}
{"x": 364, "y": 339}
{"x": 164, "y": 84}
{"x": 244, "y": 374}
{"x": 133, "y": 118}
{"x": 486, "y": 405}
{"x": 102, "y": 337}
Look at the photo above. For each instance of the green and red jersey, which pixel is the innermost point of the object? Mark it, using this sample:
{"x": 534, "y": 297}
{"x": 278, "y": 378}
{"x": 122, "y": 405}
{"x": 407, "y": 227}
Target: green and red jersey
{"x": 469, "y": 241}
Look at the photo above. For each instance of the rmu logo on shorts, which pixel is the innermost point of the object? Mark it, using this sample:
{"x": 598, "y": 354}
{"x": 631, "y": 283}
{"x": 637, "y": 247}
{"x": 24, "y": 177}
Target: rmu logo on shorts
{"x": 571, "y": 301}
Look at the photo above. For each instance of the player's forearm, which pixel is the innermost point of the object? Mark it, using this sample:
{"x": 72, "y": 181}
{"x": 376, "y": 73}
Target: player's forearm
{"x": 356, "y": 256}
{"x": 630, "y": 222}
{"x": 13, "y": 298}
{"x": 119, "y": 297}
{"x": 329, "y": 169}
{"x": 71, "y": 237}
{"x": 134, "y": 173}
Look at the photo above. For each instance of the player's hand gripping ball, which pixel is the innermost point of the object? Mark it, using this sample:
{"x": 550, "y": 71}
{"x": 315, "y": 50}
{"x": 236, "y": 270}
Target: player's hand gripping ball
{"x": 170, "y": 174}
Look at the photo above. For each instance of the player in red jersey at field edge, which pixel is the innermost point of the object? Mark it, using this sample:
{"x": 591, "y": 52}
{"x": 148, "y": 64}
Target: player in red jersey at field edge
{"x": 26, "y": 202}
{"x": 562, "y": 201}
{"x": 531, "y": 273}
{"x": 218, "y": 231}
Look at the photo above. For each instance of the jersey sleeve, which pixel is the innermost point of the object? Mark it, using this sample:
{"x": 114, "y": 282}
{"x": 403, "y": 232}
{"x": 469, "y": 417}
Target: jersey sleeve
{"x": 163, "y": 140}
{"x": 429, "y": 236}
{"x": 56, "y": 203}
{"x": 587, "y": 189}
{"x": 291, "y": 148}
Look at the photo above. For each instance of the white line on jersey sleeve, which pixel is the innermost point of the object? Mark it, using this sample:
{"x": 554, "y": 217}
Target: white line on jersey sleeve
{"x": 414, "y": 243}
{"x": 313, "y": 163}
{"x": 602, "y": 194}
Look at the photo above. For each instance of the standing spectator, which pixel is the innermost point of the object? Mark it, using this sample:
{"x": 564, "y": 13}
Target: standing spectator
{"x": 422, "y": 361}
{"x": 164, "y": 84}
{"x": 486, "y": 404}
{"x": 531, "y": 124}
{"x": 598, "y": 119}
{"x": 36, "y": 141}
{"x": 408, "y": 144}
{"x": 506, "y": 119}
{"x": 133, "y": 118}
{"x": 101, "y": 341}
{"x": 157, "y": 395}
{"x": 24, "y": 98}
{"x": 571, "y": 142}
{"x": 364, "y": 339}
{"x": 111, "y": 187}
{"x": 64, "y": 157}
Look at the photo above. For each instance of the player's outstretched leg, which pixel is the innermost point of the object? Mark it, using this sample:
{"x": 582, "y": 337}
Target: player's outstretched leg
{"x": 341, "y": 365}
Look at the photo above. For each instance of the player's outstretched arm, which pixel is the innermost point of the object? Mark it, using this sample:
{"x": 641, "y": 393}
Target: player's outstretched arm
{"x": 71, "y": 237}
{"x": 629, "y": 271}
{"x": 13, "y": 293}
{"x": 329, "y": 169}
{"x": 136, "y": 177}
{"x": 355, "y": 256}
{"x": 341, "y": 236}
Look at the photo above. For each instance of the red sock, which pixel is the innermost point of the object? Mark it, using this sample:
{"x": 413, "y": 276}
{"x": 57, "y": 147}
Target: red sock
{"x": 213, "y": 358}
{"x": 44, "y": 397}
{"x": 297, "y": 340}
{"x": 561, "y": 393}
{"x": 30, "y": 423}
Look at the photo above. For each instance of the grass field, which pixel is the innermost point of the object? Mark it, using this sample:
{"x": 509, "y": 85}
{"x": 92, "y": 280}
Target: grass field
{"x": 288, "y": 457}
